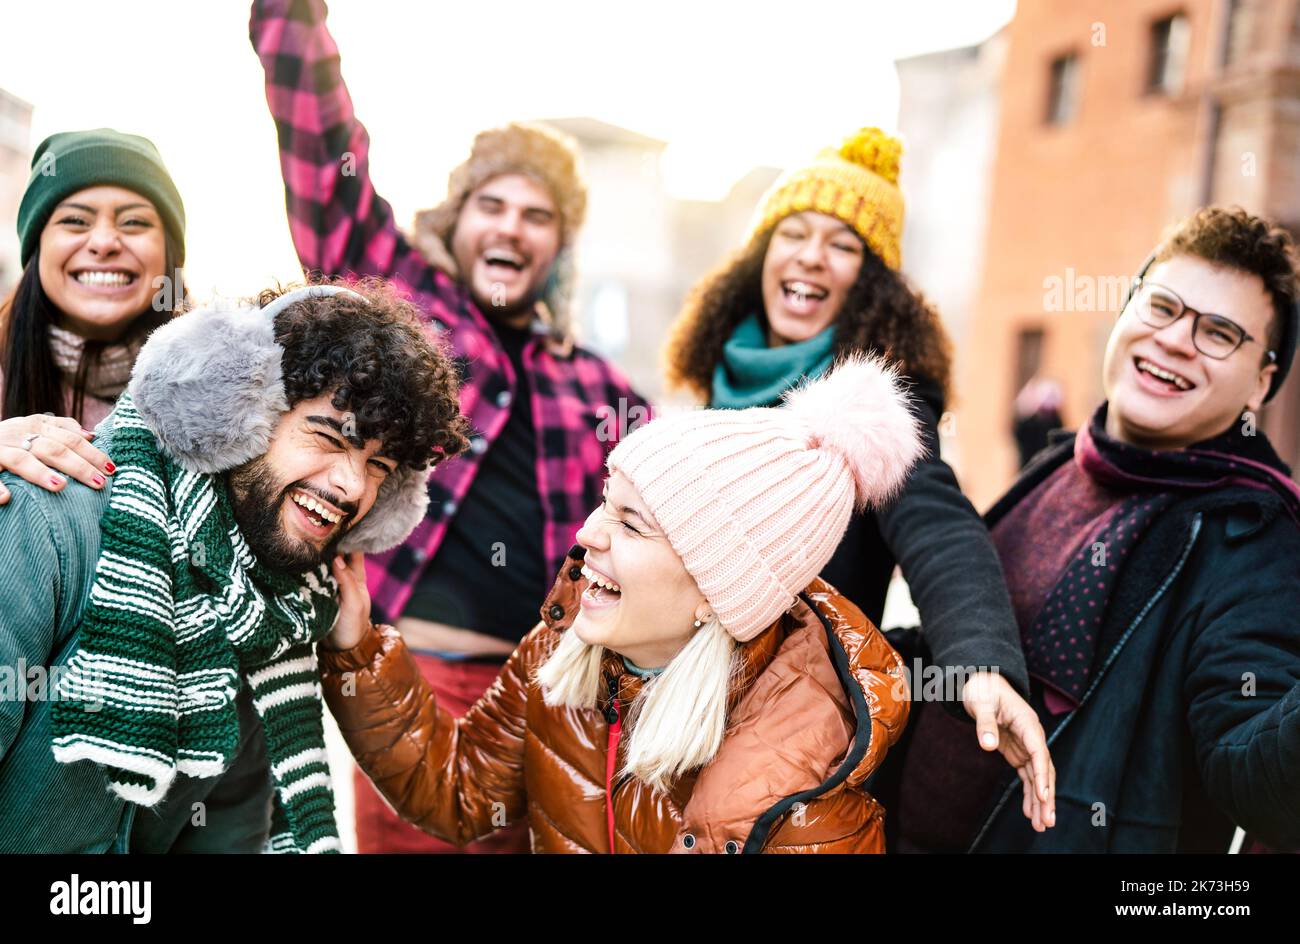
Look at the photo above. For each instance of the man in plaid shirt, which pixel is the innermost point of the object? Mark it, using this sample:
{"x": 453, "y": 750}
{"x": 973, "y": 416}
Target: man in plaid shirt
{"x": 490, "y": 268}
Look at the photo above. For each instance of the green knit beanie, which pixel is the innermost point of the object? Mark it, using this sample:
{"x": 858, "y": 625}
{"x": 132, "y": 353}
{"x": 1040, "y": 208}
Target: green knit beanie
{"x": 74, "y": 160}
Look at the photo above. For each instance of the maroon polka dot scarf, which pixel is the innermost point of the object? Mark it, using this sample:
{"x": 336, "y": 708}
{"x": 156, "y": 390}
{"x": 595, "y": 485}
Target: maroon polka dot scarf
{"x": 1061, "y": 644}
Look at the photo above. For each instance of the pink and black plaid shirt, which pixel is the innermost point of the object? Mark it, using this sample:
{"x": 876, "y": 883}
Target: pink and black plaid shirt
{"x": 341, "y": 227}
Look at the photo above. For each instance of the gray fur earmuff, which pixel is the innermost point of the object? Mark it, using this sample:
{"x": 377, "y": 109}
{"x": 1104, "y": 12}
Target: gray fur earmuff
{"x": 210, "y": 386}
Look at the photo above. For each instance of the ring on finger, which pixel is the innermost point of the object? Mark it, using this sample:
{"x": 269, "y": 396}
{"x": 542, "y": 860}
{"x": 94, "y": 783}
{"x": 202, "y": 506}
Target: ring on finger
{"x": 28, "y": 440}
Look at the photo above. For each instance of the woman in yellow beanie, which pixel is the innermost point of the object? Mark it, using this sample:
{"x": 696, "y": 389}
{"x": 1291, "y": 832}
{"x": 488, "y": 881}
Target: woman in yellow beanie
{"x": 819, "y": 279}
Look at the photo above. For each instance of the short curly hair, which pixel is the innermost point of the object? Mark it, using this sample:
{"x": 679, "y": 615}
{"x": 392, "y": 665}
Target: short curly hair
{"x": 882, "y": 314}
{"x": 1235, "y": 239}
{"x": 400, "y": 385}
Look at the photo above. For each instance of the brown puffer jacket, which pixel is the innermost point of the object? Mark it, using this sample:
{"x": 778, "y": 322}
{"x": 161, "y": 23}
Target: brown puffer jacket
{"x": 820, "y": 699}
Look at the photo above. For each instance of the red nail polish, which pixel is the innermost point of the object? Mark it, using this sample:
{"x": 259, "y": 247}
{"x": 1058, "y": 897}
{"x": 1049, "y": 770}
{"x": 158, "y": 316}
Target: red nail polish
{"x": 98, "y": 480}
{"x": 110, "y": 467}
{"x": 55, "y": 481}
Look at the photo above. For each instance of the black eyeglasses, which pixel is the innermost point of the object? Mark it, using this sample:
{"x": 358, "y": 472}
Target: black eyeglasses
{"x": 1213, "y": 335}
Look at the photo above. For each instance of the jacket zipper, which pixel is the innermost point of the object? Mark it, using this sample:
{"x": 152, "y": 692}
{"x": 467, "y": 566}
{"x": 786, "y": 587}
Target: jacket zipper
{"x": 761, "y": 830}
{"x": 1110, "y": 660}
{"x": 615, "y": 719}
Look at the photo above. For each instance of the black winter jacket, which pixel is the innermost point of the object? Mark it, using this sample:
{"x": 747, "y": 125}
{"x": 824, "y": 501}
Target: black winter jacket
{"x": 1191, "y": 722}
{"x": 947, "y": 558}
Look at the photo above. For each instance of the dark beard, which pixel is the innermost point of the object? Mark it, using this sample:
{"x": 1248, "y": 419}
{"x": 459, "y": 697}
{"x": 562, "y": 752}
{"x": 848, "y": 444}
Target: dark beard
{"x": 519, "y": 315}
{"x": 256, "y": 499}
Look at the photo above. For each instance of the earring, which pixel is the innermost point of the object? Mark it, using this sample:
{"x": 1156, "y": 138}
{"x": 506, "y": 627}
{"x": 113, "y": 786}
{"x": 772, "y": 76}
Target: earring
{"x": 698, "y": 624}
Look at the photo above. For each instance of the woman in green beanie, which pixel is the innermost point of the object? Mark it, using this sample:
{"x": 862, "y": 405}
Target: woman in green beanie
{"x": 101, "y": 228}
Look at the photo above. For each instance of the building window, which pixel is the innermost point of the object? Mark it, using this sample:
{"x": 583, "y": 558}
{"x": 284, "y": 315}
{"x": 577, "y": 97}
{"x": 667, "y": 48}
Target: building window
{"x": 1169, "y": 42}
{"x": 1243, "y": 16}
{"x": 1063, "y": 91}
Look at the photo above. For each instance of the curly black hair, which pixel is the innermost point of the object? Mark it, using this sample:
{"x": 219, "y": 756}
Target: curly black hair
{"x": 400, "y": 386}
{"x": 882, "y": 314}
{"x": 1231, "y": 237}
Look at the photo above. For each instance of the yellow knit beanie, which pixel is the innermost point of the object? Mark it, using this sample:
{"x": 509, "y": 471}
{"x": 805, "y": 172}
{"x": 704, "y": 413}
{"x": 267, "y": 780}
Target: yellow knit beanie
{"x": 858, "y": 183}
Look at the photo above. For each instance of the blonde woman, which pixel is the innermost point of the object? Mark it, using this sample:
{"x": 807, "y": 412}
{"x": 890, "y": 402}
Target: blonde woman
{"x": 693, "y": 686}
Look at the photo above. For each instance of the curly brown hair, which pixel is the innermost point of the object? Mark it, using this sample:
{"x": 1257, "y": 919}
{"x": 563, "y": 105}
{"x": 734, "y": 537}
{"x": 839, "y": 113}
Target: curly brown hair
{"x": 1231, "y": 237}
{"x": 400, "y": 385}
{"x": 882, "y": 314}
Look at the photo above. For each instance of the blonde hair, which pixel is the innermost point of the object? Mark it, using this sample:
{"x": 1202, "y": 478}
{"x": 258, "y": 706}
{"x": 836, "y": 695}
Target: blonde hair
{"x": 677, "y": 722}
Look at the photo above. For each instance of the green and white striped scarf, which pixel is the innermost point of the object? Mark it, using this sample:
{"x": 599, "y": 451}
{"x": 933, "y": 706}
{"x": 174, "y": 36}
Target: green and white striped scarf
{"x": 179, "y": 611}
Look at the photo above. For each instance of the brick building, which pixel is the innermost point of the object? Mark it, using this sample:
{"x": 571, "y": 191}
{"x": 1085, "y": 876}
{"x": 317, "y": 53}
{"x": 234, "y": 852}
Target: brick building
{"x": 1117, "y": 118}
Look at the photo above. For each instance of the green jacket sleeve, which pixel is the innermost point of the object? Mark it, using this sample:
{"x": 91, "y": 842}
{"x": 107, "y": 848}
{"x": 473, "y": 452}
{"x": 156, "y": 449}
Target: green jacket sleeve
{"x": 29, "y": 590}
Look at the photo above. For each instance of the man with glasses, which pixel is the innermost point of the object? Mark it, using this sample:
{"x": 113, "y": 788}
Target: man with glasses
{"x": 1153, "y": 561}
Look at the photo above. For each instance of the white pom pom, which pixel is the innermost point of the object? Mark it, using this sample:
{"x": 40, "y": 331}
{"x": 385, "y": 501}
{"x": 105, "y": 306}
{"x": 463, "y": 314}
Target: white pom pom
{"x": 859, "y": 410}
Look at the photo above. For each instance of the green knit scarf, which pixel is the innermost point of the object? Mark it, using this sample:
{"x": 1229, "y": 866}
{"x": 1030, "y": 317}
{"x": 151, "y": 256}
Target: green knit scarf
{"x": 180, "y": 611}
{"x": 753, "y": 374}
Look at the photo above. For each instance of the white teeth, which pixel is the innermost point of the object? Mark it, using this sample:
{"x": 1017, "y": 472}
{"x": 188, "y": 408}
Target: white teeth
{"x": 104, "y": 278}
{"x": 503, "y": 255}
{"x": 1163, "y": 374}
{"x": 600, "y": 581}
{"x": 804, "y": 290}
{"x": 314, "y": 506}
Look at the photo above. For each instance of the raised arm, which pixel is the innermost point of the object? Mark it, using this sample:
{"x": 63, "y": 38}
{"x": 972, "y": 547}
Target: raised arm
{"x": 340, "y": 226}
{"x": 457, "y": 779}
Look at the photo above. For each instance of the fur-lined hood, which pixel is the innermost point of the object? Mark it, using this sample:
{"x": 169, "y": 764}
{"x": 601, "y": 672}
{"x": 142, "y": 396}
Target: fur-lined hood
{"x": 210, "y": 387}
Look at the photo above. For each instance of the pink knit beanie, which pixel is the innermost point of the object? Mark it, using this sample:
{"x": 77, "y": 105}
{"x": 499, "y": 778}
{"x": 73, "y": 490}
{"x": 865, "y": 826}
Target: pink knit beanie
{"x": 755, "y": 501}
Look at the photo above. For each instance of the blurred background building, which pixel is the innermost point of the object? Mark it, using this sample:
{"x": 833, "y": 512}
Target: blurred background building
{"x": 1116, "y": 119}
{"x": 948, "y": 120}
{"x": 641, "y": 248}
{"x": 15, "y": 160}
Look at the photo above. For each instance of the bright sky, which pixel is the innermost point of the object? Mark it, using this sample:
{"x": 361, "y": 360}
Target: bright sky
{"x": 729, "y": 85}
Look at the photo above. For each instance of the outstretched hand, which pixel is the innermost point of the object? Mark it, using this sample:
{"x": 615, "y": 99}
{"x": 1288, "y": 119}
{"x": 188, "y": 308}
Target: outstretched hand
{"x": 1005, "y": 722}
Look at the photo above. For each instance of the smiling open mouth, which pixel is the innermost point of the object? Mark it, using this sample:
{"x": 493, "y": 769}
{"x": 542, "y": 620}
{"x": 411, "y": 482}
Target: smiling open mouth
{"x": 504, "y": 259}
{"x": 601, "y": 590}
{"x": 799, "y": 291}
{"x": 322, "y": 519}
{"x": 1166, "y": 378}
{"x": 101, "y": 279}
{"x": 802, "y": 298}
